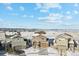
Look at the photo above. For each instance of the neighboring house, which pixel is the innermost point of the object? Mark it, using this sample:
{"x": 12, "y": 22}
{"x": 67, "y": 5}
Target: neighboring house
{"x": 18, "y": 42}
{"x": 15, "y": 39}
{"x": 2, "y": 36}
{"x": 62, "y": 42}
{"x": 64, "y": 38}
{"x": 40, "y": 41}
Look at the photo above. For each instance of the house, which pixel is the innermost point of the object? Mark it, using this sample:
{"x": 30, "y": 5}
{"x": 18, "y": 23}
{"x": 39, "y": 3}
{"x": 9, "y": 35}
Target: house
{"x": 2, "y": 36}
{"x": 15, "y": 39}
{"x": 39, "y": 41}
{"x": 18, "y": 41}
{"x": 63, "y": 42}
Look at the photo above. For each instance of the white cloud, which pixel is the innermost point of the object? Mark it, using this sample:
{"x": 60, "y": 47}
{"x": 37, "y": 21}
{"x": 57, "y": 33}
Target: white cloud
{"x": 76, "y": 12}
{"x": 51, "y": 5}
{"x": 21, "y": 8}
{"x": 68, "y": 12}
{"x": 76, "y": 4}
{"x": 54, "y": 21}
{"x": 1, "y": 20}
{"x": 38, "y": 5}
{"x": 24, "y": 15}
{"x": 55, "y": 18}
{"x": 68, "y": 17}
{"x": 9, "y": 8}
{"x": 30, "y": 16}
{"x": 43, "y": 10}
{"x": 55, "y": 15}
{"x": 46, "y": 6}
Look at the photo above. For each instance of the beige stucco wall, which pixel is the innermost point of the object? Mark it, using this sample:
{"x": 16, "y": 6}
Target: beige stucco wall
{"x": 41, "y": 39}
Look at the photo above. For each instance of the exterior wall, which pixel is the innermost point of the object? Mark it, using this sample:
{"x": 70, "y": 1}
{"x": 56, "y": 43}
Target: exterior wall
{"x": 2, "y": 35}
{"x": 44, "y": 44}
{"x": 18, "y": 42}
{"x": 62, "y": 41}
{"x": 40, "y": 40}
{"x": 62, "y": 44}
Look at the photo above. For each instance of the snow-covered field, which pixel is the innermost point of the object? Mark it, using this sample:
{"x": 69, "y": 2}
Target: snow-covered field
{"x": 44, "y": 52}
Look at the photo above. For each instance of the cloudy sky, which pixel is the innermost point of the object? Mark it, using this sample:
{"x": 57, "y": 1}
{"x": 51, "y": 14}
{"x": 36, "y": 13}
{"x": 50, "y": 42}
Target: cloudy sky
{"x": 39, "y": 15}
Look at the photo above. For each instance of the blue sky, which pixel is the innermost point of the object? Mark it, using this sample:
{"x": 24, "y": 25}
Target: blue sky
{"x": 39, "y": 15}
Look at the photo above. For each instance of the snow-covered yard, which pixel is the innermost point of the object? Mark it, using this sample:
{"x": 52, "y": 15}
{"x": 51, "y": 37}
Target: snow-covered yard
{"x": 44, "y": 52}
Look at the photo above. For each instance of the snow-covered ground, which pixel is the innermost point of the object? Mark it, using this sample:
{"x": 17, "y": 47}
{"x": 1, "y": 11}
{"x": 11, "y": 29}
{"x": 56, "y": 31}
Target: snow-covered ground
{"x": 31, "y": 51}
{"x": 70, "y": 53}
{"x": 44, "y": 52}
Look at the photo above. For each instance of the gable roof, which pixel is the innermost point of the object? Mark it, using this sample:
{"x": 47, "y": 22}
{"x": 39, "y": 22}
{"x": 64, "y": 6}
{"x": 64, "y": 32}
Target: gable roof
{"x": 64, "y": 35}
